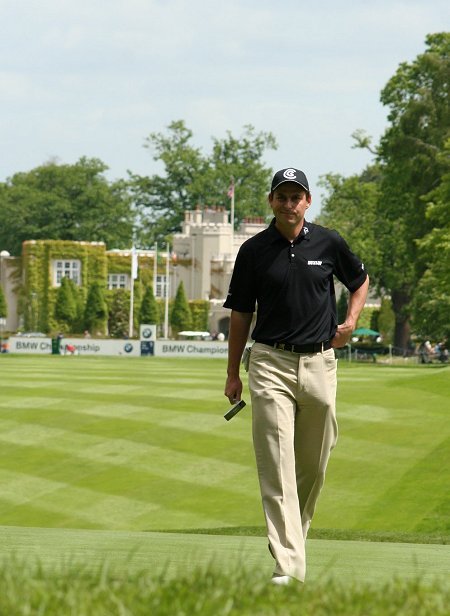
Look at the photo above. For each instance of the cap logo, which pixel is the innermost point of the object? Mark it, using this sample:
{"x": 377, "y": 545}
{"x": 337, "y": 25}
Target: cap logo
{"x": 290, "y": 174}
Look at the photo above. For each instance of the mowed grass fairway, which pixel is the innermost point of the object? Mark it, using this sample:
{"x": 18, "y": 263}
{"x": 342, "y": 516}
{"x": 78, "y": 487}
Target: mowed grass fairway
{"x": 112, "y": 443}
{"x": 132, "y": 447}
{"x": 141, "y": 444}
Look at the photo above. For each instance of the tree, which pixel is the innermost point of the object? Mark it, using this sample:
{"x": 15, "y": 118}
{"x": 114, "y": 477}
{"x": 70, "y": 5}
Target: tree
{"x": 149, "y": 312}
{"x": 351, "y": 207}
{"x": 3, "y": 306}
{"x": 419, "y": 116}
{"x": 342, "y": 306}
{"x": 385, "y": 323}
{"x": 200, "y": 314}
{"x": 67, "y": 202}
{"x": 180, "y": 317}
{"x": 431, "y": 303}
{"x": 96, "y": 310}
{"x": 193, "y": 178}
{"x": 239, "y": 159}
{"x": 66, "y": 304}
{"x": 119, "y": 313}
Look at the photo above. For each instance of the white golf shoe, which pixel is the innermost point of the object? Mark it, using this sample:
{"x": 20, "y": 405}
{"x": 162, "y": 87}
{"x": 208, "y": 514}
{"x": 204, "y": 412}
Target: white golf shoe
{"x": 281, "y": 580}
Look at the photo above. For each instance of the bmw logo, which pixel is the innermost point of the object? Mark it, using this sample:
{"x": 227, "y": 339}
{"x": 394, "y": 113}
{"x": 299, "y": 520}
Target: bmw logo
{"x": 147, "y": 333}
{"x": 128, "y": 347}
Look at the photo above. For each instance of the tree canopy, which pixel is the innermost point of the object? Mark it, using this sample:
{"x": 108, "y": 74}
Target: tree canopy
{"x": 395, "y": 213}
{"x": 417, "y": 97}
{"x": 192, "y": 177}
{"x": 431, "y": 300}
{"x": 351, "y": 206}
{"x": 66, "y": 202}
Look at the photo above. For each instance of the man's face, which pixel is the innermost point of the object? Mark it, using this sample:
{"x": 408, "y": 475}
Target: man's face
{"x": 289, "y": 203}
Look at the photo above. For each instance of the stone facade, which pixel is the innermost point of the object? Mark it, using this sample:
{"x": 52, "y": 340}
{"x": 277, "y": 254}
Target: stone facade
{"x": 204, "y": 254}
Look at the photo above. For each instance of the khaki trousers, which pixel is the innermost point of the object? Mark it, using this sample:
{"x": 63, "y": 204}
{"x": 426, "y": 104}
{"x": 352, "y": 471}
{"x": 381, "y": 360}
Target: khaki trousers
{"x": 294, "y": 430}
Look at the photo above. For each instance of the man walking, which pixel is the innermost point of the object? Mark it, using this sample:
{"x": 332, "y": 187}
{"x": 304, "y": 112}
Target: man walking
{"x": 287, "y": 272}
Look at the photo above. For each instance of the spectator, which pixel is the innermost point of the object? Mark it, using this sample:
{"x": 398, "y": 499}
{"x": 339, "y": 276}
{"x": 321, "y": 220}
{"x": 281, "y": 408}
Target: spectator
{"x": 443, "y": 353}
{"x": 423, "y": 354}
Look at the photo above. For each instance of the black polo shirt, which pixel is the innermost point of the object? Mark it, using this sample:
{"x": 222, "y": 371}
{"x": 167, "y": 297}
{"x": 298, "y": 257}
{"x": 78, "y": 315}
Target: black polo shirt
{"x": 292, "y": 283}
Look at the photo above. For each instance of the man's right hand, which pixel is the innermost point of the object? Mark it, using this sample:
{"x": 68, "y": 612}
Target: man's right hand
{"x": 233, "y": 389}
{"x": 239, "y": 328}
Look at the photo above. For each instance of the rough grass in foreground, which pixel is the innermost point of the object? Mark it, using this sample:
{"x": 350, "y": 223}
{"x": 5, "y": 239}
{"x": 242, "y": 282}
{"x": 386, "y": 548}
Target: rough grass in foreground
{"x": 76, "y": 591}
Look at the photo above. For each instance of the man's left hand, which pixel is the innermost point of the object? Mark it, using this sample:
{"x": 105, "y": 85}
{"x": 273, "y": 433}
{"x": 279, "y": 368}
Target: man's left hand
{"x": 342, "y": 335}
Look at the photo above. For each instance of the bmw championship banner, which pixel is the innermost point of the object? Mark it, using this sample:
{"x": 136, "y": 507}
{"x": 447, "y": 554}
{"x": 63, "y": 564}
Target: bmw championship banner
{"x": 147, "y": 345}
{"x": 74, "y": 346}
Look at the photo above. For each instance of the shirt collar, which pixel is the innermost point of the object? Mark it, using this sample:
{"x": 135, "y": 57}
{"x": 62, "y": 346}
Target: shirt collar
{"x": 304, "y": 234}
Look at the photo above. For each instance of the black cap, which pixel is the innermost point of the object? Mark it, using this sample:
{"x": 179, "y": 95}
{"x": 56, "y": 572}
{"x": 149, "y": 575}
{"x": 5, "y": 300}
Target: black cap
{"x": 289, "y": 175}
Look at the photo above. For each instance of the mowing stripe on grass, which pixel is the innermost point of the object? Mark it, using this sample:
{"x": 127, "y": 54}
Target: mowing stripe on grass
{"x": 135, "y": 455}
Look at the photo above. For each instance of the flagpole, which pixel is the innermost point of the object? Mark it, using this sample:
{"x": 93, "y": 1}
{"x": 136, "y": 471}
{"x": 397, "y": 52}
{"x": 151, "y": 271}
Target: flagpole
{"x": 166, "y": 304}
{"x": 130, "y": 324}
{"x": 232, "y": 223}
{"x": 130, "y": 320}
{"x": 231, "y": 194}
{"x": 155, "y": 269}
{"x": 134, "y": 268}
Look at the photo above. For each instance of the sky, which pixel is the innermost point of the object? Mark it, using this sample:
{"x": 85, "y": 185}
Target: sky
{"x": 95, "y": 77}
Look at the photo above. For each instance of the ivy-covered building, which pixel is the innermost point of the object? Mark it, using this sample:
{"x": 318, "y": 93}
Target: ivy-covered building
{"x": 44, "y": 263}
{"x": 202, "y": 257}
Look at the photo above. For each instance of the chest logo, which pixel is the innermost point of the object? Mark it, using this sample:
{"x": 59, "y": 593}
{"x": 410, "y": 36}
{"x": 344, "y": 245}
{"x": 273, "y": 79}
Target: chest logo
{"x": 314, "y": 262}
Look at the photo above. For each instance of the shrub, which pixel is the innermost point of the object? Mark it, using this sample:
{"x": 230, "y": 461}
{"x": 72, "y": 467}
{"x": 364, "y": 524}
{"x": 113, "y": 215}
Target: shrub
{"x": 149, "y": 312}
{"x": 119, "y": 313}
{"x": 181, "y": 317}
{"x": 96, "y": 311}
{"x": 66, "y": 305}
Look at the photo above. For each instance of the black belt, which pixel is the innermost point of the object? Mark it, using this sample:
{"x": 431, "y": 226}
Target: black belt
{"x": 317, "y": 347}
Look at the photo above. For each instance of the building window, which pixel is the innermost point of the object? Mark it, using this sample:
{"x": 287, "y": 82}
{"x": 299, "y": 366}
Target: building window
{"x": 118, "y": 281}
{"x": 69, "y": 269}
{"x": 160, "y": 290}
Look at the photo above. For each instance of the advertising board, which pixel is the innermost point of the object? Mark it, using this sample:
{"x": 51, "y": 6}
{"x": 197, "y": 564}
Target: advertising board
{"x": 127, "y": 348}
{"x": 75, "y": 346}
